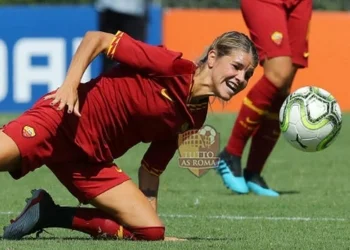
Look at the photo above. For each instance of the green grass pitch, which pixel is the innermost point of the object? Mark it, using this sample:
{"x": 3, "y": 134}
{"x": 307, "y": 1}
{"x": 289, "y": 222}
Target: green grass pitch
{"x": 312, "y": 213}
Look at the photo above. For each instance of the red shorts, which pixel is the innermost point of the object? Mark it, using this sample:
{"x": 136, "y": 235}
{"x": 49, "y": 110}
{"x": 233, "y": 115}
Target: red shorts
{"x": 86, "y": 181}
{"x": 279, "y": 28}
{"x": 41, "y": 144}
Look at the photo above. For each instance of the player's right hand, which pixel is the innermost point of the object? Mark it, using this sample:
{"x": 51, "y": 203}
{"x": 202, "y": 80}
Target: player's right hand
{"x": 65, "y": 96}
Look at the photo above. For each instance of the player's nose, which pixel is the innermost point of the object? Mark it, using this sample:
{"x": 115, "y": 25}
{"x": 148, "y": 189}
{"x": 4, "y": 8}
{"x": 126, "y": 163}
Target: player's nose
{"x": 240, "y": 79}
{"x": 240, "y": 76}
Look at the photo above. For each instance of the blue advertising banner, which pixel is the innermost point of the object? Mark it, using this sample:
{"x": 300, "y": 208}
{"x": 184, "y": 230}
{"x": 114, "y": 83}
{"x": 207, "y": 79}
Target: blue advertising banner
{"x": 37, "y": 44}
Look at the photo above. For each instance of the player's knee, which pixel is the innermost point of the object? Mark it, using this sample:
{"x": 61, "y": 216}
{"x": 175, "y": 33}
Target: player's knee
{"x": 149, "y": 233}
{"x": 280, "y": 71}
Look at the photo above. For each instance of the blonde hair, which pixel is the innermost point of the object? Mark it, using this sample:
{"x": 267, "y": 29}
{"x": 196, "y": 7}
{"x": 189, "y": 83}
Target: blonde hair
{"x": 228, "y": 42}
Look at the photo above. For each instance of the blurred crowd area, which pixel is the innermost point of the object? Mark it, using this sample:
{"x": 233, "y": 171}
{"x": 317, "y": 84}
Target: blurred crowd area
{"x": 340, "y": 5}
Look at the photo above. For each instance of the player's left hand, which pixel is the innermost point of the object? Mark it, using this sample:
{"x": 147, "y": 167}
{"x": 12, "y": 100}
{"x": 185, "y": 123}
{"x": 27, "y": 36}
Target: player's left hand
{"x": 65, "y": 96}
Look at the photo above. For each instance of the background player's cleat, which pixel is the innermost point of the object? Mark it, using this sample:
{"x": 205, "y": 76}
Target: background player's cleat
{"x": 230, "y": 170}
{"x": 33, "y": 216}
{"x": 257, "y": 185}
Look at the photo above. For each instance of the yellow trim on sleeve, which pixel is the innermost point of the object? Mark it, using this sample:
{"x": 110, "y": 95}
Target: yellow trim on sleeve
{"x": 113, "y": 46}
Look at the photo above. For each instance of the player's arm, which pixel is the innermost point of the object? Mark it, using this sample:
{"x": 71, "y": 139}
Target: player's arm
{"x": 153, "y": 164}
{"x": 149, "y": 184}
{"x": 93, "y": 43}
{"x": 148, "y": 58}
{"x": 122, "y": 48}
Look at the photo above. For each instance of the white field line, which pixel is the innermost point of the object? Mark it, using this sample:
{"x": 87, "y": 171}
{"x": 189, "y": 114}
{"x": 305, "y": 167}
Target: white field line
{"x": 237, "y": 217}
{"x": 6, "y": 213}
{"x": 230, "y": 217}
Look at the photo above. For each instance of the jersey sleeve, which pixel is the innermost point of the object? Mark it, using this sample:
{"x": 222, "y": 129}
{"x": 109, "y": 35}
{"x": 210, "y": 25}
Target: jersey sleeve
{"x": 149, "y": 58}
{"x": 158, "y": 156}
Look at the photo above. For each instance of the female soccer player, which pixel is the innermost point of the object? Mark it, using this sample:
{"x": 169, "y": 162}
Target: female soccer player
{"x": 279, "y": 29}
{"x": 151, "y": 96}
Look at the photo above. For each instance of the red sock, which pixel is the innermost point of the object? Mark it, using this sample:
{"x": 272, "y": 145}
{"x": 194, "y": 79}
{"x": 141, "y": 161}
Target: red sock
{"x": 97, "y": 223}
{"x": 255, "y": 106}
{"x": 265, "y": 138}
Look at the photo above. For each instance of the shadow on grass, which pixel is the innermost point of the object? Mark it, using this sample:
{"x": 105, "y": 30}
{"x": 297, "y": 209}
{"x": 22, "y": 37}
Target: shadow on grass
{"x": 206, "y": 239}
{"x": 90, "y": 239}
{"x": 48, "y": 238}
{"x": 288, "y": 192}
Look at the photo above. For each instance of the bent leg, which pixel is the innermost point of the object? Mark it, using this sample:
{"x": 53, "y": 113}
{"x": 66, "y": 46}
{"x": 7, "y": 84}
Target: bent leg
{"x": 128, "y": 205}
{"x": 121, "y": 212}
{"x": 119, "y": 203}
{"x": 100, "y": 224}
{"x": 41, "y": 212}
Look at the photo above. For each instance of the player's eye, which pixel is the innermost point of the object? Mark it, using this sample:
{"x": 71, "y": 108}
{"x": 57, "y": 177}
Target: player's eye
{"x": 248, "y": 75}
{"x": 235, "y": 66}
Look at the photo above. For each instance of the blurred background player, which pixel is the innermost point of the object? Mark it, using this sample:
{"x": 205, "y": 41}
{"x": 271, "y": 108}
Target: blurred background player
{"x": 129, "y": 16}
{"x": 279, "y": 29}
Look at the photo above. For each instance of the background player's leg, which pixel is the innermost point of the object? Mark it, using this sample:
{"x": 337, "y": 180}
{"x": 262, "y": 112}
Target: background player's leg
{"x": 274, "y": 51}
{"x": 271, "y": 40}
{"x": 281, "y": 72}
{"x": 298, "y": 28}
{"x": 263, "y": 141}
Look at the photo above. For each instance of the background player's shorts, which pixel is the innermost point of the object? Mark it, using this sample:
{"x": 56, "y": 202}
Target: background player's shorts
{"x": 41, "y": 142}
{"x": 279, "y": 28}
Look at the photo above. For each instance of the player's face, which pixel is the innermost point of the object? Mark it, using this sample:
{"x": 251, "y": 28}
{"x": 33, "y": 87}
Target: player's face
{"x": 230, "y": 73}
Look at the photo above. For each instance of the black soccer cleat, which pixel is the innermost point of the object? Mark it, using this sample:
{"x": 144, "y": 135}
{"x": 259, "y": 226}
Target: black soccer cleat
{"x": 32, "y": 218}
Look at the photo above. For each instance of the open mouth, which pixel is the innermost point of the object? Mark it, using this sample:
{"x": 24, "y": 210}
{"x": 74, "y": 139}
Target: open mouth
{"x": 232, "y": 86}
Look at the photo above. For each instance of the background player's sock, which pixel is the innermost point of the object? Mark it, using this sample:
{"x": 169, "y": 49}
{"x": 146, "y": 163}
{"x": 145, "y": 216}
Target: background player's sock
{"x": 255, "y": 106}
{"x": 265, "y": 138}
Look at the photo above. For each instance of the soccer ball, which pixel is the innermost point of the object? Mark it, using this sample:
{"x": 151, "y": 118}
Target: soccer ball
{"x": 310, "y": 119}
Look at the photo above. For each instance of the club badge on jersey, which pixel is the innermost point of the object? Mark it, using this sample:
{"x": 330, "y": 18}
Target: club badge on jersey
{"x": 277, "y": 37}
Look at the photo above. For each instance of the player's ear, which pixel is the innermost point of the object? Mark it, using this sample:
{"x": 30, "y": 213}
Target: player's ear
{"x": 212, "y": 55}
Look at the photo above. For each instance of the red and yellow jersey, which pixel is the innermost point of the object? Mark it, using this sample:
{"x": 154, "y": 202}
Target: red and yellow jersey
{"x": 145, "y": 98}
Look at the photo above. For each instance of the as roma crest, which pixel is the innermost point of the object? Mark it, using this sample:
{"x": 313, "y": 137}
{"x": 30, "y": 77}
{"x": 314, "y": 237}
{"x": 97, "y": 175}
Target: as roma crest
{"x": 28, "y": 131}
{"x": 198, "y": 150}
{"x": 277, "y": 37}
